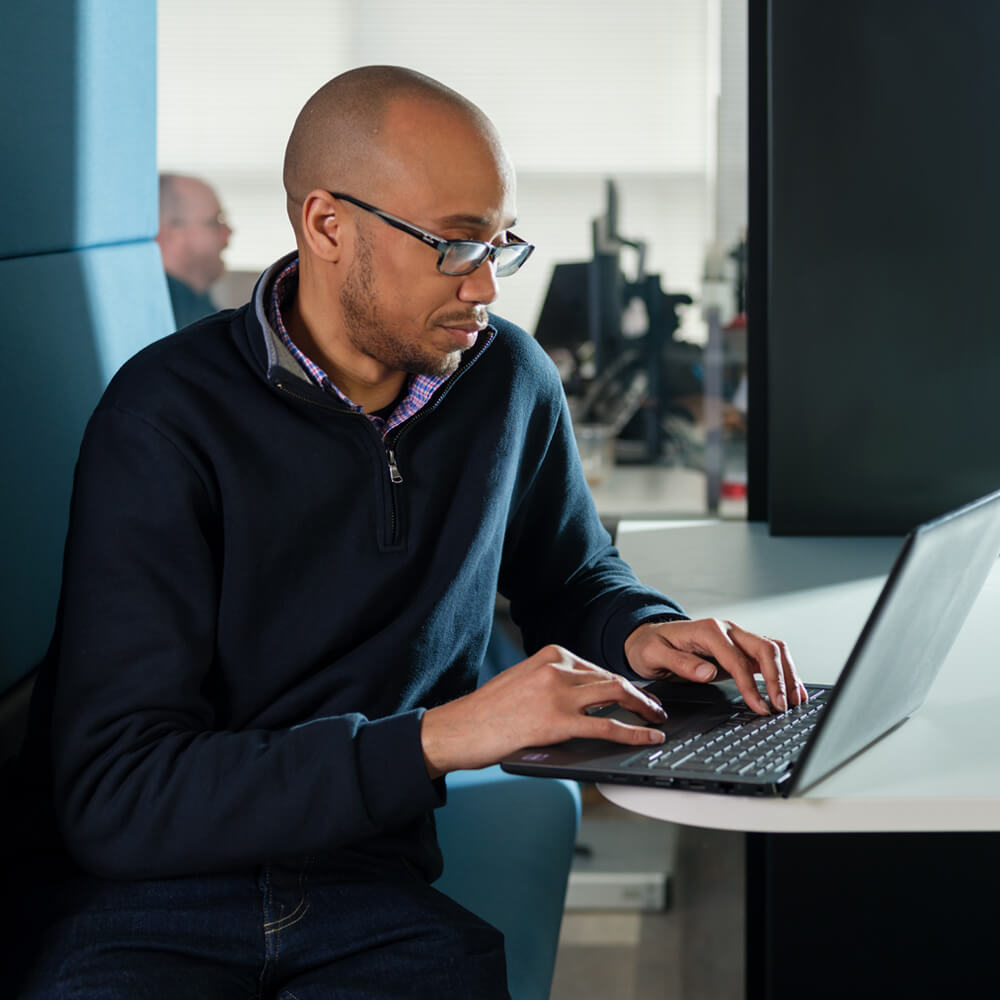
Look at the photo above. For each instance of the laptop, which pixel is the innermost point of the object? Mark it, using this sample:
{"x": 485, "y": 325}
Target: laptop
{"x": 714, "y": 743}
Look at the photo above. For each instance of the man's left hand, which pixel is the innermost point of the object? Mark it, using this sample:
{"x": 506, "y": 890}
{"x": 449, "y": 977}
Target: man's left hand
{"x": 697, "y": 650}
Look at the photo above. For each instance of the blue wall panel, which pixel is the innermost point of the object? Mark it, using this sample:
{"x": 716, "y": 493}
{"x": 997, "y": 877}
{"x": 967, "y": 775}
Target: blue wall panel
{"x": 80, "y": 277}
{"x": 78, "y": 124}
{"x": 70, "y": 320}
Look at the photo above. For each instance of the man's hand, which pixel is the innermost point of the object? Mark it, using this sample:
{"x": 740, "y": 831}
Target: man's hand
{"x": 541, "y": 700}
{"x": 695, "y": 650}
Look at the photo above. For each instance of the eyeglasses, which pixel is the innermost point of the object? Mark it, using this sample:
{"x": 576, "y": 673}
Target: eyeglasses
{"x": 219, "y": 222}
{"x": 456, "y": 257}
{"x": 216, "y": 222}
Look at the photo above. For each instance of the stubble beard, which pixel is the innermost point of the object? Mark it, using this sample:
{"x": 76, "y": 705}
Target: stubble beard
{"x": 369, "y": 333}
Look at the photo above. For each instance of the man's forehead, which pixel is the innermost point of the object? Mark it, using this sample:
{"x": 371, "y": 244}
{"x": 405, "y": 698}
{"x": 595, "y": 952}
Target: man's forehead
{"x": 440, "y": 199}
{"x": 460, "y": 220}
{"x": 196, "y": 192}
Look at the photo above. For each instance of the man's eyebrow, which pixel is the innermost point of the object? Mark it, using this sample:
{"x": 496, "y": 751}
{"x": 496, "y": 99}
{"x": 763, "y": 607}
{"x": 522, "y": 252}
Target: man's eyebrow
{"x": 475, "y": 221}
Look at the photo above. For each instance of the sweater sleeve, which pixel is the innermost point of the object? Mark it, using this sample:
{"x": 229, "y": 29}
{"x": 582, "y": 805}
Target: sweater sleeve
{"x": 565, "y": 579}
{"x": 147, "y": 781}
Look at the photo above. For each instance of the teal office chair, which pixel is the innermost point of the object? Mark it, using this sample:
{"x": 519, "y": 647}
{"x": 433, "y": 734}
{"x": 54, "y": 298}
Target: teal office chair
{"x": 508, "y": 845}
{"x": 536, "y": 822}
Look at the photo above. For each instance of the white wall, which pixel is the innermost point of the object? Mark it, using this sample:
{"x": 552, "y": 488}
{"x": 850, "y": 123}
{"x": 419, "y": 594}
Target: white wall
{"x": 580, "y": 91}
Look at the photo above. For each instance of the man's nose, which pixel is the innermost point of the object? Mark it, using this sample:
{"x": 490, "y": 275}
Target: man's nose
{"x": 480, "y": 285}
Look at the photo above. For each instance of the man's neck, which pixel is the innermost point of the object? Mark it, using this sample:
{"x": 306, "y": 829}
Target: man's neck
{"x": 370, "y": 393}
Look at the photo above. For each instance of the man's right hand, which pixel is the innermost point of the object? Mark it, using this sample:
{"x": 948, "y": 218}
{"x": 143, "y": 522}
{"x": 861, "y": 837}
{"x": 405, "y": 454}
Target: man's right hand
{"x": 537, "y": 702}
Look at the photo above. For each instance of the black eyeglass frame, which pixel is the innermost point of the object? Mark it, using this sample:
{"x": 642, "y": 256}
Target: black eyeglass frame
{"x": 487, "y": 251}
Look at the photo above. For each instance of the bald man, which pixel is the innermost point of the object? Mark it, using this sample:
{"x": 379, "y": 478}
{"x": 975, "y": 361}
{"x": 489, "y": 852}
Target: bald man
{"x": 288, "y": 530}
{"x": 193, "y": 233}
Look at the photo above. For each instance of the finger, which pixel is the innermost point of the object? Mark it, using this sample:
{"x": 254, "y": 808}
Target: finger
{"x": 695, "y": 650}
{"x": 800, "y": 694}
{"x": 797, "y": 693}
{"x": 717, "y": 642}
{"x": 596, "y": 727}
{"x": 689, "y": 667}
{"x": 615, "y": 689}
{"x": 588, "y": 686}
{"x": 793, "y": 686}
{"x": 662, "y": 650}
{"x": 773, "y": 663}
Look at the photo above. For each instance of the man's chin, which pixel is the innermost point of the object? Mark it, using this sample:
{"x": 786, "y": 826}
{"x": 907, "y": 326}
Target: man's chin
{"x": 441, "y": 367}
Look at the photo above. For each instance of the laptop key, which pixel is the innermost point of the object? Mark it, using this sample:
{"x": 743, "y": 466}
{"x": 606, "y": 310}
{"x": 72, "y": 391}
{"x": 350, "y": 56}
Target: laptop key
{"x": 642, "y": 758}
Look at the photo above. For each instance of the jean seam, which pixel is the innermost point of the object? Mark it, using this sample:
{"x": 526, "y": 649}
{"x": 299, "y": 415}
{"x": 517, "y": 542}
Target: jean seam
{"x": 268, "y": 964}
{"x": 285, "y": 922}
{"x": 273, "y": 928}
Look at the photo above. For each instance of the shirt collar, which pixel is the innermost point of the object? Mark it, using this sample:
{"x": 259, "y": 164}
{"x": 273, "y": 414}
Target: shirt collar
{"x": 421, "y": 387}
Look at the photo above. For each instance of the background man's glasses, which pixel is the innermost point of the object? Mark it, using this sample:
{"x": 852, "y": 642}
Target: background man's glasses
{"x": 456, "y": 257}
{"x": 216, "y": 222}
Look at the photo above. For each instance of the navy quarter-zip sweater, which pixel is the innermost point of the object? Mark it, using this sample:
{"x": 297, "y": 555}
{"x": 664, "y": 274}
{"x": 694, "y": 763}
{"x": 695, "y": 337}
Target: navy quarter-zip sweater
{"x": 254, "y": 615}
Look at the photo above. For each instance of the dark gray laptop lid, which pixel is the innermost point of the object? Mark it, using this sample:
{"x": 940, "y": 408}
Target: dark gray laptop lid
{"x": 935, "y": 581}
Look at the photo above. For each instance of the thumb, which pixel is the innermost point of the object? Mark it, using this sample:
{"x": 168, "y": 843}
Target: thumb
{"x": 690, "y": 667}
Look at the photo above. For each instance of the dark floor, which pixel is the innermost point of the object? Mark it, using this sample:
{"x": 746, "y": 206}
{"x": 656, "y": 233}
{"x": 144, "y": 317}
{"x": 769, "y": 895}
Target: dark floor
{"x": 693, "y": 950}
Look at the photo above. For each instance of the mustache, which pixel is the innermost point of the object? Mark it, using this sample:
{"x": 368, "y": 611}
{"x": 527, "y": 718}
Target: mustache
{"x": 478, "y": 318}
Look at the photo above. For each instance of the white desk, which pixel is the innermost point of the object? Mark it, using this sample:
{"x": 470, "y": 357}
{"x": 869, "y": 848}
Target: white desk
{"x": 923, "y": 801}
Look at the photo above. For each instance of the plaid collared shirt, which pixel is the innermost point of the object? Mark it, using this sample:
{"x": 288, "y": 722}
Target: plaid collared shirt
{"x": 420, "y": 387}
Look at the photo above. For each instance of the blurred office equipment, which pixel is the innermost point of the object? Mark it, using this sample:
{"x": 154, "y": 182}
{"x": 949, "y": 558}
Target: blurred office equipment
{"x": 725, "y": 379}
{"x": 611, "y": 327}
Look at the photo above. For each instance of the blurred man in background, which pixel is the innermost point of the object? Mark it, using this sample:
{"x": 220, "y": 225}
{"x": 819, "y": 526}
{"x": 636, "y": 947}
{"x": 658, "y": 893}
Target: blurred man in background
{"x": 193, "y": 233}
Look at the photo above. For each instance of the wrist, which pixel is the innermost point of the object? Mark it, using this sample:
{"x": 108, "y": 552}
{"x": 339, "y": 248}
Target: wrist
{"x": 433, "y": 745}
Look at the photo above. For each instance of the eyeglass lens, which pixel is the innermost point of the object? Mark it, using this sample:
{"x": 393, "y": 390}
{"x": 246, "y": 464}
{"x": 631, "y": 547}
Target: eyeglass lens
{"x": 463, "y": 257}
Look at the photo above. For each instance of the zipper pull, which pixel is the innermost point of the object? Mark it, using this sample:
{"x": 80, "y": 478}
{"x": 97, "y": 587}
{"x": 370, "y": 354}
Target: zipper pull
{"x": 393, "y": 468}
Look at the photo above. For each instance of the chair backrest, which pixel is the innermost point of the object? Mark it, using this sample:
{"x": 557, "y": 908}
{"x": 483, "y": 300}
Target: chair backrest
{"x": 80, "y": 276}
{"x": 508, "y": 847}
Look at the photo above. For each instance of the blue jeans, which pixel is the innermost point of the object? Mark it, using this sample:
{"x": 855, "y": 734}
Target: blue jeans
{"x": 300, "y": 931}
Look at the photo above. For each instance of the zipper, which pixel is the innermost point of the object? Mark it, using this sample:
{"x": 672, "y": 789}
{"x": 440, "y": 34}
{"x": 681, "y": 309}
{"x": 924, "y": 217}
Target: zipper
{"x": 395, "y": 479}
{"x": 395, "y": 476}
{"x": 322, "y": 403}
{"x": 394, "y": 473}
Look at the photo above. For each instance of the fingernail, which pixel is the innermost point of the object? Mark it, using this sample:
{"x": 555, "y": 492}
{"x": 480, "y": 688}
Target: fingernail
{"x": 780, "y": 702}
{"x": 658, "y": 708}
{"x": 705, "y": 672}
{"x": 655, "y": 736}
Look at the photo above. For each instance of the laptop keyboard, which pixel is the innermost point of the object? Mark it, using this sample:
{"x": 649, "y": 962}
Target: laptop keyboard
{"x": 746, "y": 744}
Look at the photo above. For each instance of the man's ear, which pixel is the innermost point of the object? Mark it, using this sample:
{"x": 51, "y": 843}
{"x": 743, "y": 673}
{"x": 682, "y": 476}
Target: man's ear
{"x": 321, "y": 226}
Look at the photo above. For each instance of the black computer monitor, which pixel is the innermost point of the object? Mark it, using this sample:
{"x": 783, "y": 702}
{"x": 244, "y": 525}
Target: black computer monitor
{"x": 563, "y": 321}
{"x": 585, "y": 299}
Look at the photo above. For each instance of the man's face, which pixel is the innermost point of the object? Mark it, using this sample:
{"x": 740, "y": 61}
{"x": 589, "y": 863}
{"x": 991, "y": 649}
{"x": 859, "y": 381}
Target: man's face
{"x": 393, "y": 332}
{"x": 200, "y": 234}
{"x": 397, "y": 307}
